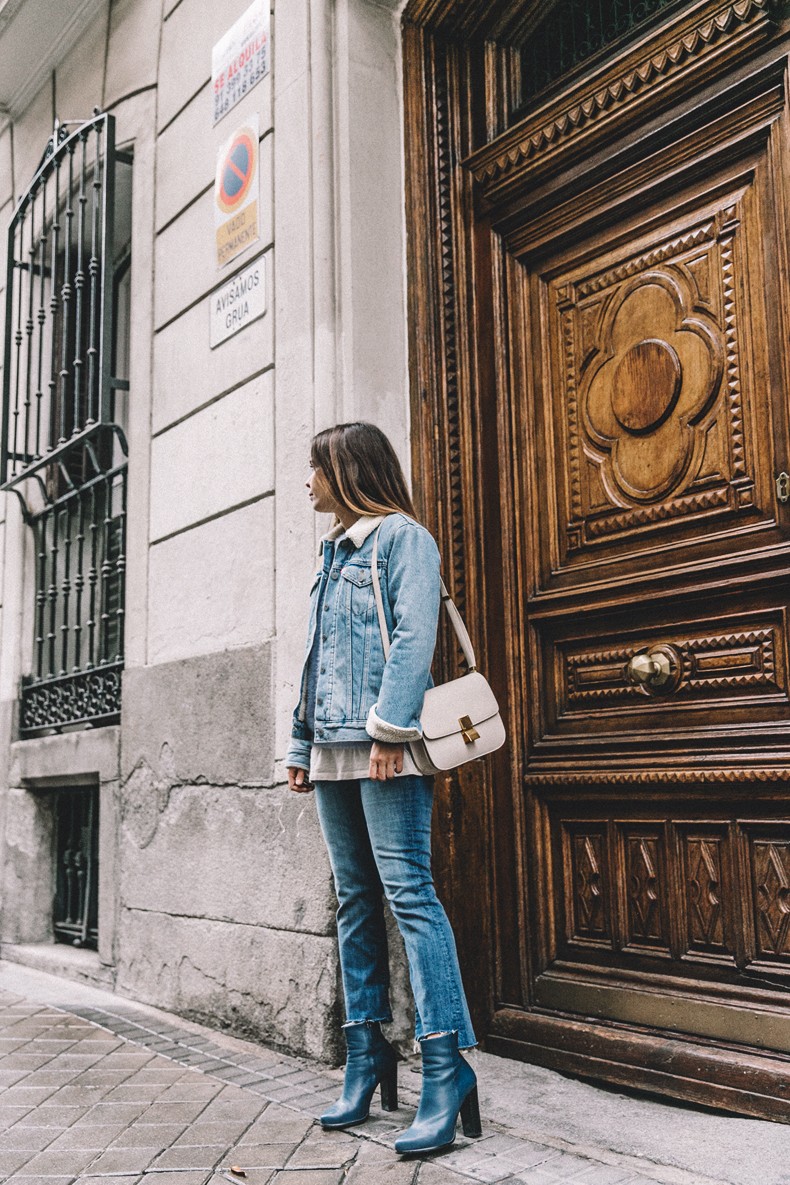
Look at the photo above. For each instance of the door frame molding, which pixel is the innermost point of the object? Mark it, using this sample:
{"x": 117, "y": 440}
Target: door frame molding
{"x": 461, "y": 64}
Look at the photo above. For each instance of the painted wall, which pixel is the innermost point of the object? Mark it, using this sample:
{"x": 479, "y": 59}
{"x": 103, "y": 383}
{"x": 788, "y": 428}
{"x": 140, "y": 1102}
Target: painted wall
{"x": 216, "y": 899}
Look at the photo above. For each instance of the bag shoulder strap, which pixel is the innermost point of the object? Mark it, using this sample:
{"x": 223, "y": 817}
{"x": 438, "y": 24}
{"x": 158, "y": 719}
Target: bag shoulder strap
{"x": 456, "y": 620}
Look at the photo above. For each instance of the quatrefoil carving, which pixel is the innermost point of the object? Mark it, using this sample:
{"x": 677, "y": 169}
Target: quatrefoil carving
{"x": 650, "y": 388}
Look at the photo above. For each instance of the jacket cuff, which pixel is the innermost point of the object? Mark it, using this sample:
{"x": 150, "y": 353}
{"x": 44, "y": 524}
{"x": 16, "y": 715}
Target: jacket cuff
{"x": 298, "y": 755}
{"x": 389, "y": 734}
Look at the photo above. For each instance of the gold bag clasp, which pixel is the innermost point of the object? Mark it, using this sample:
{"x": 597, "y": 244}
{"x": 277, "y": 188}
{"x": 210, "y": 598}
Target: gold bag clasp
{"x": 468, "y": 730}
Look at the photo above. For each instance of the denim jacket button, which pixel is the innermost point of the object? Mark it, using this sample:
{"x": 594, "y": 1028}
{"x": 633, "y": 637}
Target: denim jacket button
{"x": 333, "y": 574}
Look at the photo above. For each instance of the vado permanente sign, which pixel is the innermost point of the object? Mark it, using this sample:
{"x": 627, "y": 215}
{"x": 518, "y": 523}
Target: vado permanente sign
{"x": 238, "y": 301}
{"x": 236, "y": 193}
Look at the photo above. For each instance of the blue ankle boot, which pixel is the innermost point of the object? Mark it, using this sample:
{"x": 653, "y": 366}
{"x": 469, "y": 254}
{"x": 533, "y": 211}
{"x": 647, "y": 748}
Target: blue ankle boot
{"x": 449, "y": 1086}
{"x": 371, "y": 1060}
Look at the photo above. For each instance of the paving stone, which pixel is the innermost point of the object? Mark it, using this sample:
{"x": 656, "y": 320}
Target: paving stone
{"x": 189, "y": 1177}
{"x": 324, "y": 1153}
{"x": 490, "y": 1169}
{"x": 190, "y": 1092}
{"x": 124, "y": 1160}
{"x": 53, "y": 1116}
{"x": 220, "y": 1109}
{"x": 27, "y": 1096}
{"x": 96, "y": 1136}
{"x": 282, "y": 1069}
{"x": 566, "y": 1166}
{"x": 204, "y": 1157}
{"x": 541, "y": 1176}
{"x": 149, "y": 1135}
{"x": 284, "y": 1094}
{"x": 53, "y": 1072}
{"x": 24, "y": 1179}
{"x": 11, "y": 1161}
{"x": 128, "y": 1056}
{"x": 247, "y": 1079}
{"x": 256, "y": 1156}
{"x": 26, "y": 1139}
{"x": 135, "y": 1092}
{"x": 222, "y": 1178}
{"x": 225, "y": 1133}
{"x": 119, "y": 1180}
{"x": 108, "y": 1078}
{"x": 277, "y": 1125}
{"x": 26, "y": 1061}
{"x": 606, "y": 1174}
{"x": 60, "y": 1160}
{"x": 154, "y": 1072}
{"x": 11, "y": 1115}
{"x": 183, "y": 1112}
{"x": 309, "y": 1177}
{"x": 430, "y": 1173}
{"x": 115, "y": 1112}
{"x": 375, "y": 1165}
{"x": 524, "y": 1155}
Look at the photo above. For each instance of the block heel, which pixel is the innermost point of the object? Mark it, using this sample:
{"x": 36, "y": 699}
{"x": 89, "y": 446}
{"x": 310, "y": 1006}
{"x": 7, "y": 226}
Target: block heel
{"x": 389, "y": 1089}
{"x": 470, "y": 1115}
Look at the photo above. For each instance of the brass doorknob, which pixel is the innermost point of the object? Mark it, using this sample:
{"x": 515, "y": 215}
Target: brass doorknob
{"x": 656, "y": 669}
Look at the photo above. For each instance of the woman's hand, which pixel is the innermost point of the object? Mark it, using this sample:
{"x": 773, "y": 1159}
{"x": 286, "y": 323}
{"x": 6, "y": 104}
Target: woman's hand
{"x": 385, "y": 761}
{"x": 297, "y": 780}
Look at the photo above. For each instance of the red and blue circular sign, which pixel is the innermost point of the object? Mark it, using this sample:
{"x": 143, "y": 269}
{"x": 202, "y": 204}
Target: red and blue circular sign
{"x": 236, "y": 172}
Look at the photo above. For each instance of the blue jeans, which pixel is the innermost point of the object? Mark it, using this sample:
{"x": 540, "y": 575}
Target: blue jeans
{"x": 379, "y": 839}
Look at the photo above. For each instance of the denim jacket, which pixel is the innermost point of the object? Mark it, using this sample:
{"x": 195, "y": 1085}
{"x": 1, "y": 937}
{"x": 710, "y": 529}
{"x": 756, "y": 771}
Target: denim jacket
{"x": 358, "y": 695}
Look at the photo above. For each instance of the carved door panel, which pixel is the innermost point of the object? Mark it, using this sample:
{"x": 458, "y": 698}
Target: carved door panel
{"x": 643, "y": 394}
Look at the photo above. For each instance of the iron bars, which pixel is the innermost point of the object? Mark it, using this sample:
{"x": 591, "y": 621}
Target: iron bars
{"x": 57, "y": 383}
{"x": 76, "y": 919}
{"x": 575, "y": 30}
{"x": 80, "y": 553}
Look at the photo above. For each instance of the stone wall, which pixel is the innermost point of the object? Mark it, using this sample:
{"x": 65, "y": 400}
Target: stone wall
{"x": 215, "y": 897}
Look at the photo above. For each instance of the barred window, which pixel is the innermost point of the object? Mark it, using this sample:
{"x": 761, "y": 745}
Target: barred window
{"x": 65, "y": 398}
{"x": 572, "y": 32}
{"x": 76, "y": 900}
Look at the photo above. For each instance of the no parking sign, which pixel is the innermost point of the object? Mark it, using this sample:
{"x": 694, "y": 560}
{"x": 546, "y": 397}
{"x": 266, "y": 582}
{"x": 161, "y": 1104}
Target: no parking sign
{"x": 236, "y": 193}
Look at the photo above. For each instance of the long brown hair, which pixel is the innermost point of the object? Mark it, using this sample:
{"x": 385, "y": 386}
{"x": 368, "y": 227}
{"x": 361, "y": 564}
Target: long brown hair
{"x": 361, "y": 469}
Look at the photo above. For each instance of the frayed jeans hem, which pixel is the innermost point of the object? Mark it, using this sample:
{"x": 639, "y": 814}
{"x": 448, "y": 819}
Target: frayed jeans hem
{"x": 369, "y": 1020}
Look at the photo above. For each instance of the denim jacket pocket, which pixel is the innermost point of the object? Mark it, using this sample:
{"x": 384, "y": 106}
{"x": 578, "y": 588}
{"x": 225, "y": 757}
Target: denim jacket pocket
{"x": 360, "y": 593}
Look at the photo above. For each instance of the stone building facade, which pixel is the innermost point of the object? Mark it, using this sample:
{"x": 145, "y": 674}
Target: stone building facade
{"x": 213, "y": 896}
{"x": 543, "y": 244}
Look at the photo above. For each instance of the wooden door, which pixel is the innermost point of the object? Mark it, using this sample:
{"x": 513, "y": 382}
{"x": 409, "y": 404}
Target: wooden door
{"x": 620, "y": 319}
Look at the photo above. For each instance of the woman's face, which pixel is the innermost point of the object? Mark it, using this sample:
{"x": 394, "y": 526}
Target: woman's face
{"x": 321, "y": 496}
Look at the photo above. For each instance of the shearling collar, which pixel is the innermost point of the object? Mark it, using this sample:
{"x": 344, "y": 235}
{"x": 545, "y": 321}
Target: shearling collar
{"x": 357, "y": 532}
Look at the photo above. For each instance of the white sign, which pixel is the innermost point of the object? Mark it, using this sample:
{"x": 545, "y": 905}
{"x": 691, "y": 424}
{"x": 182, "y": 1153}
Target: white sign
{"x": 236, "y": 193}
{"x": 241, "y": 299}
{"x": 241, "y": 59}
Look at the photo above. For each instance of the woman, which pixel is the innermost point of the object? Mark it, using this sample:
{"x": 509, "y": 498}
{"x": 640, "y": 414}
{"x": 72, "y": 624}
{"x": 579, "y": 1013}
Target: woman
{"x": 355, "y": 718}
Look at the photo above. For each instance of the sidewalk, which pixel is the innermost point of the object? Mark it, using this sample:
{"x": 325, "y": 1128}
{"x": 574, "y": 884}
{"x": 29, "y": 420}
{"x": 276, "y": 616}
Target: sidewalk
{"x": 97, "y": 1089}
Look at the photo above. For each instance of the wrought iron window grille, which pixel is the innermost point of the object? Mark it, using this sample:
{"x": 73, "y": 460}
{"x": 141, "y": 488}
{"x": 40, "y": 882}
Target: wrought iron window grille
{"x": 76, "y": 905}
{"x": 572, "y": 33}
{"x": 64, "y": 449}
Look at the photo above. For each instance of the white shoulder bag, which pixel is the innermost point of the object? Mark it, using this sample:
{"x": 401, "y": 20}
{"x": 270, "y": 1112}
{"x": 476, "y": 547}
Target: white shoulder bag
{"x": 460, "y": 720}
